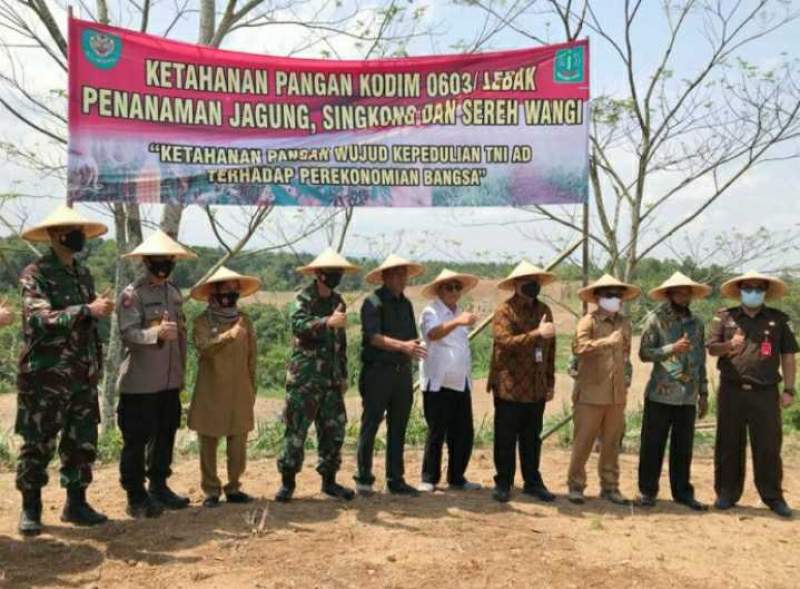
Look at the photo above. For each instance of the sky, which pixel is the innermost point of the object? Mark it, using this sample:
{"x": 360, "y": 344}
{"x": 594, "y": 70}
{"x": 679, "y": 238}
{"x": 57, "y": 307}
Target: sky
{"x": 765, "y": 196}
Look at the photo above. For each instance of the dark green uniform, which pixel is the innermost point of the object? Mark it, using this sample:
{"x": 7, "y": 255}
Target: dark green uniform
{"x": 315, "y": 384}
{"x": 59, "y": 368}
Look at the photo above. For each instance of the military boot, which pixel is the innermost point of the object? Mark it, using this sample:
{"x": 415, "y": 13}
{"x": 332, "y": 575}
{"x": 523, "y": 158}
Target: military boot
{"x": 30, "y": 520}
{"x": 284, "y": 494}
{"x": 333, "y": 489}
{"x": 159, "y": 491}
{"x": 78, "y": 511}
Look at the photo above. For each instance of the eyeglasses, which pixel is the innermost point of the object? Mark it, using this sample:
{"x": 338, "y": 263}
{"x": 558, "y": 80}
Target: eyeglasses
{"x": 453, "y": 287}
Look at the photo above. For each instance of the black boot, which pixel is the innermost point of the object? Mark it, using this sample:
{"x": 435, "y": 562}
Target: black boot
{"x": 30, "y": 520}
{"x": 333, "y": 489}
{"x": 78, "y": 511}
{"x": 160, "y": 492}
{"x": 284, "y": 494}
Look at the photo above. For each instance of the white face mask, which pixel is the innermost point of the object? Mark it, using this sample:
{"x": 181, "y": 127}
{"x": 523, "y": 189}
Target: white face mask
{"x": 610, "y": 304}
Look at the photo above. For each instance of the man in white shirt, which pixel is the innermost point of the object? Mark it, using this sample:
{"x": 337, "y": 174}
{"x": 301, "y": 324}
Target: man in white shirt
{"x": 446, "y": 382}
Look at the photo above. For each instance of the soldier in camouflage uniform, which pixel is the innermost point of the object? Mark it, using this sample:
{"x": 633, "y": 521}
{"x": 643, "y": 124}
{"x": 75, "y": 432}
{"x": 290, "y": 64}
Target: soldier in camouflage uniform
{"x": 59, "y": 367}
{"x": 316, "y": 379}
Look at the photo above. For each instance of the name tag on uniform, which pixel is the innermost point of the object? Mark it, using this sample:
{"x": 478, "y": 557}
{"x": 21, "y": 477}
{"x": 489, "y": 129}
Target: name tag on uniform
{"x": 766, "y": 349}
{"x": 538, "y": 355}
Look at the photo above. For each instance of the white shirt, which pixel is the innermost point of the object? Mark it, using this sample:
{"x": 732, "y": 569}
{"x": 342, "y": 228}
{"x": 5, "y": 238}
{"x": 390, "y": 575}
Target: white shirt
{"x": 449, "y": 360}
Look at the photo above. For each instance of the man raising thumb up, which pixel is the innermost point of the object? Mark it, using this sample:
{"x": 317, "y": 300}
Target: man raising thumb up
{"x": 338, "y": 319}
{"x": 546, "y": 329}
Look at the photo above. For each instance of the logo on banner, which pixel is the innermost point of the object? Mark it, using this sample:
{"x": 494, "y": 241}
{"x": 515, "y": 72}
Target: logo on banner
{"x": 101, "y": 49}
{"x": 569, "y": 66}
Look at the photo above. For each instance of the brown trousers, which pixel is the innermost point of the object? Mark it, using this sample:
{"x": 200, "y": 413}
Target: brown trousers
{"x": 742, "y": 411}
{"x": 237, "y": 461}
{"x": 591, "y": 421}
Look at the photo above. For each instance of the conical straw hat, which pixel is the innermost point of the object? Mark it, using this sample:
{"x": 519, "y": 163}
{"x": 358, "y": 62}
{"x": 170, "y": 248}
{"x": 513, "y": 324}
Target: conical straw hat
{"x": 328, "y": 259}
{"x": 247, "y": 284}
{"x": 586, "y": 294}
{"x": 526, "y": 270}
{"x": 468, "y": 282}
{"x": 393, "y": 261}
{"x": 678, "y": 280}
{"x": 161, "y": 244}
{"x": 777, "y": 287}
{"x": 64, "y": 216}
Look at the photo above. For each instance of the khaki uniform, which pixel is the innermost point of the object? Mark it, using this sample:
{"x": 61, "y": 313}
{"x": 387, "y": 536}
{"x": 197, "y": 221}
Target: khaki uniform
{"x": 600, "y": 394}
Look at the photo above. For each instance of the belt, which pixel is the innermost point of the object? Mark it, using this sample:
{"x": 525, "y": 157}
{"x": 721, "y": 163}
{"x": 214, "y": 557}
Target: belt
{"x": 746, "y": 386}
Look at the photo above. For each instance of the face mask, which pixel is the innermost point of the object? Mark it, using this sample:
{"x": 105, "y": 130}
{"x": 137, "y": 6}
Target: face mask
{"x": 531, "y": 289}
{"x": 74, "y": 240}
{"x": 753, "y": 298}
{"x": 227, "y": 299}
{"x": 331, "y": 278}
{"x": 610, "y": 304}
{"x": 160, "y": 269}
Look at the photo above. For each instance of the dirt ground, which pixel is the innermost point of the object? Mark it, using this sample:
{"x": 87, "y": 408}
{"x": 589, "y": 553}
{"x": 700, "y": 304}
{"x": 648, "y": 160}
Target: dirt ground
{"x": 450, "y": 539}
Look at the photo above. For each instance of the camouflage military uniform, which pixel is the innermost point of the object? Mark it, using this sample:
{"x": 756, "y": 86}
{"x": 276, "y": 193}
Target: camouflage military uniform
{"x": 315, "y": 384}
{"x": 59, "y": 368}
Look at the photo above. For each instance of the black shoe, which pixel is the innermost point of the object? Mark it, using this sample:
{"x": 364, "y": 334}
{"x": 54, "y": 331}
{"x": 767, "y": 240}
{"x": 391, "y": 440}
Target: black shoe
{"x": 163, "y": 494}
{"x": 723, "y": 504}
{"x": 647, "y": 501}
{"x": 284, "y": 494}
{"x": 780, "y": 507}
{"x": 77, "y": 511}
{"x": 238, "y": 497}
{"x": 333, "y": 489}
{"x": 501, "y": 495}
{"x": 144, "y": 507}
{"x": 30, "y": 519}
{"x": 211, "y": 501}
{"x": 402, "y": 488}
{"x": 692, "y": 504}
{"x": 540, "y": 492}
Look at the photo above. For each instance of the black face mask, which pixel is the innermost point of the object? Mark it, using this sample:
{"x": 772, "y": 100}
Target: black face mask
{"x": 227, "y": 299}
{"x": 332, "y": 278}
{"x": 531, "y": 289}
{"x": 161, "y": 268}
{"x": 74, "y": 240}
{"x": 680, "y": 309}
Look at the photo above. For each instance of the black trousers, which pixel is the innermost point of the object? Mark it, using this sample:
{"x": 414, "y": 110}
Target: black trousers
{"x": 448, "y": 414}
{"x": 386, "y": 390}
{"x": 661, "y": 422}
{"x": 517, "y": 425}
{"x": 148, "y": 423}
{"x": 754, "y": 411}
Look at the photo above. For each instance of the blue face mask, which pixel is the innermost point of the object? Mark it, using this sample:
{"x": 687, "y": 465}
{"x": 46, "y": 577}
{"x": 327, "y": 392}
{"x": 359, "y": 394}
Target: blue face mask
{"x": 753, "y": 298}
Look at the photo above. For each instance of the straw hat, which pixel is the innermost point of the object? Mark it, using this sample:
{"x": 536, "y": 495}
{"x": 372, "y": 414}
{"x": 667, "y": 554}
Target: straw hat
{"x": 247, "y": 284}
{"x": 64, "y": 216}
{"x": 329, "y": 259}
{"x": 393, "y": 261}
{"x": 678, "y": 280}
{"x": 161, "y": 244}
{"x": 468, "y": 282}
{"x": 526, "y": 270}
{"x": 586, "y": 294}
{"x": 777, "y": 287}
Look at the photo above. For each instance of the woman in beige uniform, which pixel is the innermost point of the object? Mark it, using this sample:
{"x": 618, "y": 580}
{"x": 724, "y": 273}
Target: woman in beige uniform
{"x": 225, "y": 391}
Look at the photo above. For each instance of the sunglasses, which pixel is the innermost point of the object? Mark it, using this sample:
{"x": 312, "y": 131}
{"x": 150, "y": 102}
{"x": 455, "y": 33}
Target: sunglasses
{"x": 453, "y": 287}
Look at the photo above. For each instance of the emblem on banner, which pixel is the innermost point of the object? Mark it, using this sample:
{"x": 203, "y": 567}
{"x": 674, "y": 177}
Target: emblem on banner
{"x": 101, "y": 49}
{"x": 568, "y": 68}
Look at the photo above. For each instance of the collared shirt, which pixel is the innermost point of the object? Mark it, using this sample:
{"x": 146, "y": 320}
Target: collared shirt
{"x": 677, "y": 379}
{"x": 384, "y": 313}
{"x": 449, "y": 361}
{"x": 604, "y": 369}
{"x": 523, "y": 366}
{"x": 768, "y": 335}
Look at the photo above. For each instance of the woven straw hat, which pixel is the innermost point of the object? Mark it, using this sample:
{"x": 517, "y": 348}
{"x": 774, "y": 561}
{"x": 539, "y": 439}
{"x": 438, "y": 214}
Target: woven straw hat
{"x": 679, "y": 280}
{"x": 630, "y": 292}
{"x": 247, "y": 284}
{"x": 526, "y": 270}
{"x": 161, "y": 244}
{"x": 393, "y": 261}
{"x": 64, "y": 216}
{"x": 329, "y": 259}
{"x": 468, "y": 282}
{"x": 777, "y": 287}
